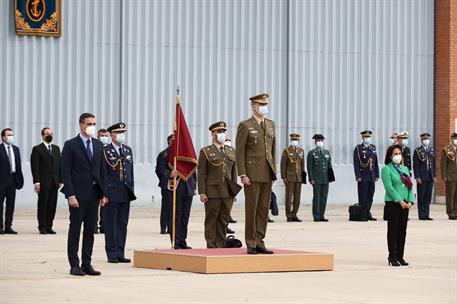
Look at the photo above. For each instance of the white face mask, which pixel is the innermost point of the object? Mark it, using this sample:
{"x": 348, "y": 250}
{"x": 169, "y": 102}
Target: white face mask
{"x": 90, "y": 130}
{"x": 396, "y": 159}
{"x": 220, "y": 137}
{"x": 391, "y": 141}
{"x": 105, "y": 140}
{"x": 320, "y": 144}
{"x": 404, "y": 142}
{"x": 263, "y": 110}
{"x": 10, "y": 139}
{"x": 367, "y": 140}
{"x": 455, "y": 142}
{"x": 228, "y": 143}
{"x": 120, "y": 138}
{"x": 294, "y": 143}
{"x": 426, "y": 142}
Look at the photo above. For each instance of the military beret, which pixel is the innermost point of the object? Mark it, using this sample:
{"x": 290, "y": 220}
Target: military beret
{"x": 403, "y": 135}
{"x": 261, "y": 98}
{"x": 366, "y": 133}
{"x": 220, "y": 125}
{"x": 318, "y": 136}
{"x": 294, "y": 136}
{"x": 425, "y": 136}
{"x": 454, "y": 135}
{"x": 118, "y": 127}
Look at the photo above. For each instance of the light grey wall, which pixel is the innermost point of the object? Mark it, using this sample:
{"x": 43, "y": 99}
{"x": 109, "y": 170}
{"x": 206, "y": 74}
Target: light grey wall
{"x": 335, "y": 67}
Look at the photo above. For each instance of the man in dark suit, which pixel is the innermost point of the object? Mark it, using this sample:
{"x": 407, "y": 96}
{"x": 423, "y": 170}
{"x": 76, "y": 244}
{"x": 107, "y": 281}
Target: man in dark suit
{"x": 11, "y": 178}
{"x": 45, "y": 165}
{"x": 84, "y": 177}
{"x": 163, "y": 172}
{"x": 119, "y": 175}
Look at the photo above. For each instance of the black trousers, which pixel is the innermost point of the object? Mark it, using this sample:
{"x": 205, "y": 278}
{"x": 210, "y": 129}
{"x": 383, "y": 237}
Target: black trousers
{"x": 8, "y": 192}
{"x": 396, "y": 229}
{"x": 424, "y": 197}
{"x": 87, "y": 214}
{"x": 47, "y": 203}
{"x": 165, "y": 209}
{"x": 365, "y": 191}
{"x": 116, "y": 217}
{"x": 183, "y": 206}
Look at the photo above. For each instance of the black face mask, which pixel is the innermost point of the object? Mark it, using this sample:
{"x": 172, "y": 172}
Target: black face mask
{"x": 48, "y": 138}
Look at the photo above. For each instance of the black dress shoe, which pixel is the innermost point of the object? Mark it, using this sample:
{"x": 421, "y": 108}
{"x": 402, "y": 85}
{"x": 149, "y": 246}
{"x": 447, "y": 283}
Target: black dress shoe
{"x": 450, "y": 217}
{"x": 1, "y": 231}
{"x": 252, "y": 250}
{"x": 184, "y": 245}
{"x": 263, "y": 250}
{"x": 296, "y": 219}
{"x": 422, "y": 219}
{"x": 113, "y": 260}
{"x": 270, "y": 220}
{"x": 89, "y": 270}
{"x": 393, "y": 262}
{"x": 403, "y": 262}
{"x": 323, "y": 219}
{"x": 123, "y": 260}
{"x": 43, "y": 231}
{"x": 289, "y": 219}
{"x": 76, "y": 271}
{"x": 163, "y": 231}
{"x": 317, "y": 220}
{"x": 429, "y": 218}
{"x": 372, "y": 218}
{"x": 10, "y": 231}
{"x": 102, "y": 230}
{"x": 50, "y": 231}
{"x": 232, "y": 221}
{"x": 230, "y": 231}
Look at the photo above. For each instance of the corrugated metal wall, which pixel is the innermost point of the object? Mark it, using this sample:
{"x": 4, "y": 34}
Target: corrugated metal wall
{"x": 330, "y": 66}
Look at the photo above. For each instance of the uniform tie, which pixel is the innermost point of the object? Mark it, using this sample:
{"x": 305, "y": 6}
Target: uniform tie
{"x": 10, "y": 157}
{"x": 262, "y": 125}
{"x": 222, "y": 150}
{"x": 49, "y": 150}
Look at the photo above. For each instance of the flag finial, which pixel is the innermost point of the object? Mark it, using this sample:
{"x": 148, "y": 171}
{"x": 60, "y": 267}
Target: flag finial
{"x": 178, "y": 99}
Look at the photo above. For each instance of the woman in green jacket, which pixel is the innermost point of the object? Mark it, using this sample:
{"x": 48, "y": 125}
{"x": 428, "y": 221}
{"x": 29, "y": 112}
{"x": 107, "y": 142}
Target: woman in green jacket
{"x": 399, "y": 197}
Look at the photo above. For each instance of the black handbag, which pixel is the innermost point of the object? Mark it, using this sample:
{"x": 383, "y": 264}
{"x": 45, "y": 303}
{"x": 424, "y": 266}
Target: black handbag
{"x": 233, "y": 187}
{"x": 358, "y": 213}
{"x": 232, "y": 242}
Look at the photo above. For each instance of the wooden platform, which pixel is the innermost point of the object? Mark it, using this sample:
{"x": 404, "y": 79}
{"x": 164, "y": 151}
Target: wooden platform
{"x": 232, "y": 260}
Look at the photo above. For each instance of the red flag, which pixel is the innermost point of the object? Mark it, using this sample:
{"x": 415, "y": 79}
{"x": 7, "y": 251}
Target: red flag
{"x": 182, "y": 147}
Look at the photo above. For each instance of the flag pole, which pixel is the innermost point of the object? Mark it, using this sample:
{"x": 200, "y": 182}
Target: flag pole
{"x": 173, "y": 235}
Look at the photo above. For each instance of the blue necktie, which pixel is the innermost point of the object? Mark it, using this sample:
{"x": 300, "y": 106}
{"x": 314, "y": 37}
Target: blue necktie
{"x": 88, "y": 151}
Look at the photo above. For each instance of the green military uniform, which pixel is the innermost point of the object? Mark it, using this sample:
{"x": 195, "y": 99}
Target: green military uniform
{"x": 255, "y": 158}
{"x": 292, "y": 166}
{"x": 449, "y": 171}
{"x": 318, "y": 163}
{"x": 216, "y": 168}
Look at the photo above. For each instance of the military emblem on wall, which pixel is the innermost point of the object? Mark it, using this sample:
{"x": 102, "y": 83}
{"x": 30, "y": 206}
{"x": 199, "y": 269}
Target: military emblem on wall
{"x": 38, "y": 17}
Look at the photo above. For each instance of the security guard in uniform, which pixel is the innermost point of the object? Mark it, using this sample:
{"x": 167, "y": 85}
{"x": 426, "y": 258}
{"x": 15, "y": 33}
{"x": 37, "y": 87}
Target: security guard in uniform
{"x": 120, "y": 185}
{"x": 292, "y": 167}
{"x": 216, "y": 169}
{"x": 424, "y": 173}
{"x": 449, "y": 175}
{"x": 255, "y": 159}
{"x": 319, "y": 164}
{"x": 405, "y": 151}
{"x": 366, "y": 171}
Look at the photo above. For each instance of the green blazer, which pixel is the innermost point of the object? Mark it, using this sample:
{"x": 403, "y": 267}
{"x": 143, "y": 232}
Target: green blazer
{"x": 396, "y": 191}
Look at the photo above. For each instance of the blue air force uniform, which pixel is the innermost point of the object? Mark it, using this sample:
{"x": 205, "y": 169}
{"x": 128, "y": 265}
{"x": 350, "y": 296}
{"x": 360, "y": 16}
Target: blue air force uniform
{"x": 424, "y": 169}
{"x": 120, "y": 187}
{"x": 366, "y": 171}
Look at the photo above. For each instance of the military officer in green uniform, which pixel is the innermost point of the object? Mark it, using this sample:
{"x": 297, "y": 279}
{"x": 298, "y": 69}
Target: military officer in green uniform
{"x": 255, "y": 159}
{"x": 319, "y": 164}
{"x": 292, "y": 167}
{"x": 449, "y": 175}
{"x": 216, "y": 177}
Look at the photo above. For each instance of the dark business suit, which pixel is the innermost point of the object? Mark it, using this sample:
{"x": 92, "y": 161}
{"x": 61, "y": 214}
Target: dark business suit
{"x": 119, "y": 175}
{"x": 45, "y": 167}
{"x": 85, "y": 179}
{"x": 9, "y": 183}
{"x": 163, "y": 173}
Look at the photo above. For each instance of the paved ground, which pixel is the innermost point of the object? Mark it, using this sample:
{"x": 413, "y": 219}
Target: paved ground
{"x": 33, "y": 267}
